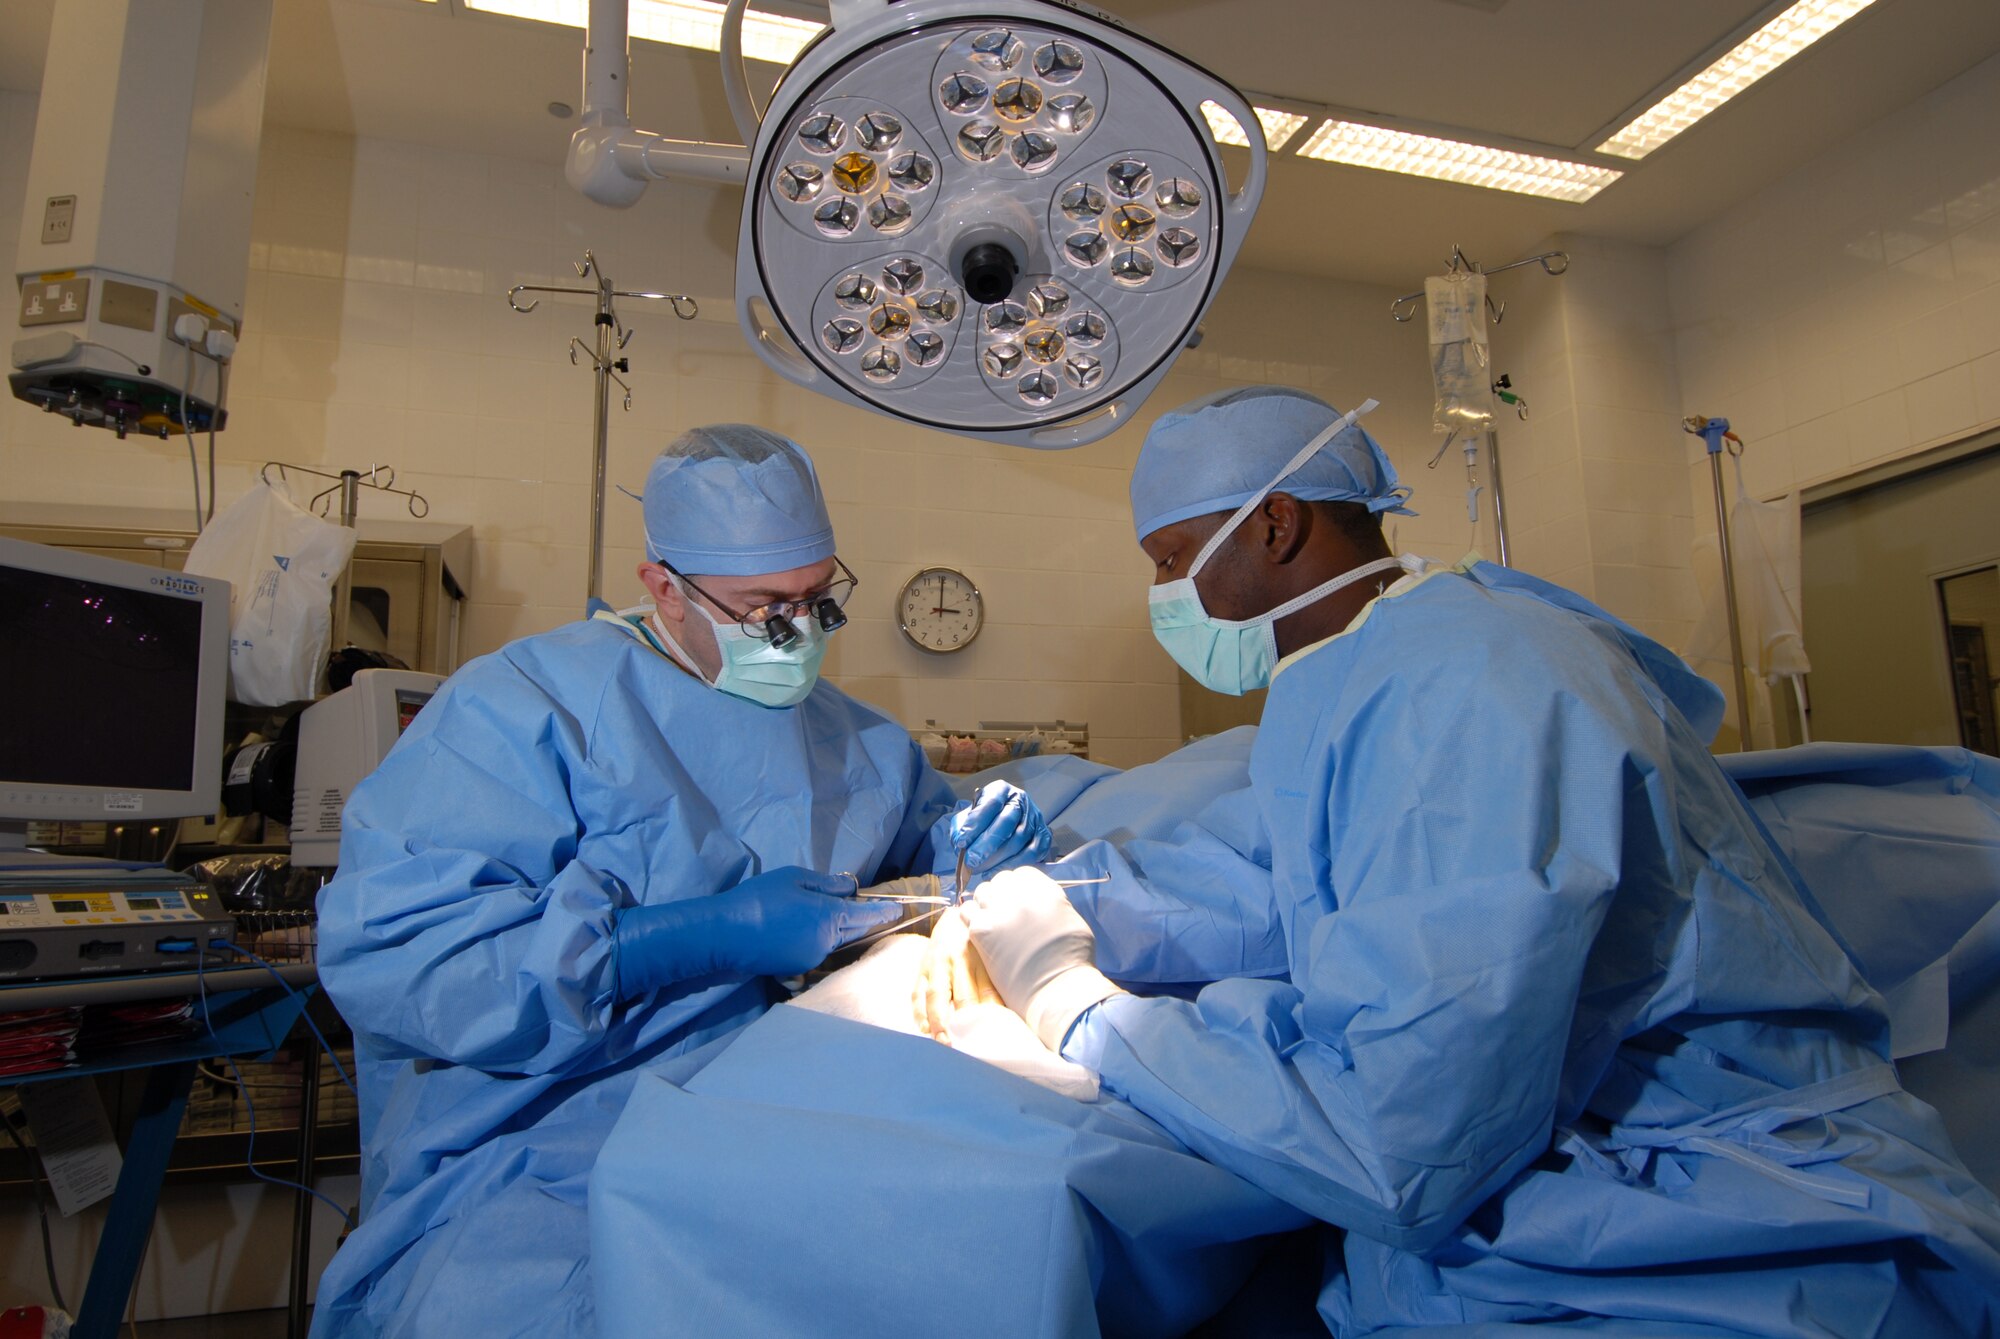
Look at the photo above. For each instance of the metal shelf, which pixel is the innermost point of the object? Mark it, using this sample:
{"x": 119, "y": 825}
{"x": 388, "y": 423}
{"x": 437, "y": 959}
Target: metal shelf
{"x": 204, "y": 1159}
{"x": 149, "y": 986}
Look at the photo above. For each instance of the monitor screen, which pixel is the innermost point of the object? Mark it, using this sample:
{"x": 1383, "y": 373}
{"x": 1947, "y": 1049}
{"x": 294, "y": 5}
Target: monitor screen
{"x": 112, "y": 677}
{"x": 101, "y": 683}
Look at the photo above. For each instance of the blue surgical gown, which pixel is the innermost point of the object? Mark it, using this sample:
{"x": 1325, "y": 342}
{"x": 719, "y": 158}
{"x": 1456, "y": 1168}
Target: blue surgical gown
{"x": 468, "y": 941}
{"x": 1902, "y": 848}
{"x": 1562, "y": 1038}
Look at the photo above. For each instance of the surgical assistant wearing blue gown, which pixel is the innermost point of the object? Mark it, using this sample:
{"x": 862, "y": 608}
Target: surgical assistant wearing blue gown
{"x": 468, "y": 942}
{"x": 1561, "y": 1040}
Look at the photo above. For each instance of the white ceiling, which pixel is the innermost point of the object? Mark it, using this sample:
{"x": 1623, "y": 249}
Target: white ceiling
{"x": 1555, "y": 71}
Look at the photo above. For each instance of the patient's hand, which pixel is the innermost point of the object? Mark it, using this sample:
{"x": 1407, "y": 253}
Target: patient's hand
{"x": 949, "y": 977}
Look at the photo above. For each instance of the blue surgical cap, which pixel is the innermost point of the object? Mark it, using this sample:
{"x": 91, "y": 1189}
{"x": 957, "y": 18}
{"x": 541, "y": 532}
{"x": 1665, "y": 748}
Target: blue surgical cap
{"x": 1220, "y": 451}
{"x": 732, "y": 500}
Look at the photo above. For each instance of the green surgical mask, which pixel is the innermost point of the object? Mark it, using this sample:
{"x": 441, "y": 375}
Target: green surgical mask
{"x": 752, "y": 668}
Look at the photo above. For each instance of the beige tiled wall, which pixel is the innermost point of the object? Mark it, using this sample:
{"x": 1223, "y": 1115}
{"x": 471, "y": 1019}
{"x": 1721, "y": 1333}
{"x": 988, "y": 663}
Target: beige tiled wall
{"x": 1850, "y": 313}
{"x": 376, "y": 331}
{"x": 1595, "y": 475}
{"x": 1845, "y": 315}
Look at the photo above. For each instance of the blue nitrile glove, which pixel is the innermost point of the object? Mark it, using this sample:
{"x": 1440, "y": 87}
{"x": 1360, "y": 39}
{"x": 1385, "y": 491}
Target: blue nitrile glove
{"x": 780, "y": 923}
{"x": 1001, "y": 827}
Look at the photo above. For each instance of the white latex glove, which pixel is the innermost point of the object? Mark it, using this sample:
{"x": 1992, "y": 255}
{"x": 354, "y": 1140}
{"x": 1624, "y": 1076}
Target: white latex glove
{"x": 1038, "y": 950}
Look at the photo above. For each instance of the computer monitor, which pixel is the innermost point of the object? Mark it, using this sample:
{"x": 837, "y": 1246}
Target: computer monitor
{"x": 113, "y": 677}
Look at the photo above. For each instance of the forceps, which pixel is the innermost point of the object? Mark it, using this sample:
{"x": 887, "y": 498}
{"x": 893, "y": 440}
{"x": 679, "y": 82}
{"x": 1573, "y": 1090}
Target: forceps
{"x": 928, "y": 900}
{"x": 907, "y": 899}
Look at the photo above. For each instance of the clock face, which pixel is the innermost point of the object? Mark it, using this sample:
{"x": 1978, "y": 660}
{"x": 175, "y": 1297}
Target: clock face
{"x": 940, "y": 610}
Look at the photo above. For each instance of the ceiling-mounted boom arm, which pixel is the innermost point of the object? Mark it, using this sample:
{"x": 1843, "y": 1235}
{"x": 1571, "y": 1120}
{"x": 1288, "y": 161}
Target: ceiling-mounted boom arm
{"x": 609, "y": 160}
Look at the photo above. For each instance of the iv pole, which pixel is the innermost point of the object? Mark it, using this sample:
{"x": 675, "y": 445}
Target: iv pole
{"x": 1712, "y": 431}
{"x": 1503, "y": 390}
{"x": 612, "y": 337}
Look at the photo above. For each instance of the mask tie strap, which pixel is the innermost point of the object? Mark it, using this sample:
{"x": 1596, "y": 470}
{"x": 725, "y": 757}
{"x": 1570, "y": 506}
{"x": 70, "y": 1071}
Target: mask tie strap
{"x": 1320, "y": 592}
{"x": 674, "y": 648}
{"x": 1306, "y": 453}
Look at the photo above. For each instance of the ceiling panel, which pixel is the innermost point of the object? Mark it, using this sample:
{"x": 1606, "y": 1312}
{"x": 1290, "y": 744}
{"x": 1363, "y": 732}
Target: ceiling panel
{"x": 1548, "y": 70}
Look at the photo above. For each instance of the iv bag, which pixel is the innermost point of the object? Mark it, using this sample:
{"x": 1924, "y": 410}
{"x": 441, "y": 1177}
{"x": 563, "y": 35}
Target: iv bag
{"x": 1461, "y": 365}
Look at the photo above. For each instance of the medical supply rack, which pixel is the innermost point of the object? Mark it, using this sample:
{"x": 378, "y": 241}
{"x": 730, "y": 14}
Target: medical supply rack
{"x": 253, "y": 1015}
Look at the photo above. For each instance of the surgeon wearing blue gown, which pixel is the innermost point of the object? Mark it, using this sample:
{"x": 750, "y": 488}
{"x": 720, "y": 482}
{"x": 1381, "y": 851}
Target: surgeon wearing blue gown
{"x": 1563, "y": 1038}
{"x": 592, "y": 855}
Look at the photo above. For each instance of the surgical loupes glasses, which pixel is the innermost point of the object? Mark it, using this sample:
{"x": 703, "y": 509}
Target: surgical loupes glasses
{"x": 773, "y": 621}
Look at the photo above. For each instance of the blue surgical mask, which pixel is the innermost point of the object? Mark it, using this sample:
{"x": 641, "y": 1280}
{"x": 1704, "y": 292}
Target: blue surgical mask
{"x": 1236, "y": 656}
{"x": 752, "y": 668}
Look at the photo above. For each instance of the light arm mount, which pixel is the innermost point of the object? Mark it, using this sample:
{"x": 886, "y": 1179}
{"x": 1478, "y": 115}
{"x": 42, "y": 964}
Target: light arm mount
{"x": 610, "y": 160}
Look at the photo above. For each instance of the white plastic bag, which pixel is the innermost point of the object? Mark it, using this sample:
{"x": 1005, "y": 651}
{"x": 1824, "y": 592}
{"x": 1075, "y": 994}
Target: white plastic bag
{"x": 281, "y": 562}
{"x": 1764, "y": 542}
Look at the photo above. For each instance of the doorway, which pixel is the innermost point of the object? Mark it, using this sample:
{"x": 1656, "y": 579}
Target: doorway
{"x": 1971, "y": 602}
{"x": 1901, "y": 595}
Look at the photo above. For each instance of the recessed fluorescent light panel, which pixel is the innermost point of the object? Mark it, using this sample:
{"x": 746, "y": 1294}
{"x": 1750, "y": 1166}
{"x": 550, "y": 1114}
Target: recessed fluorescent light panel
{"x": 690, "y": 23}
{"x": 1451, "y": 160}
{"x": 1750, "y": 60}
{"x": 1279, "y": 126}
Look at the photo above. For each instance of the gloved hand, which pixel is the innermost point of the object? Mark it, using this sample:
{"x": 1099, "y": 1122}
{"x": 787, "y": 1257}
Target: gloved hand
{"x": 1001, "y": 827}
{"x": 779, "y": 923}
{"x": 1038, "y": 950}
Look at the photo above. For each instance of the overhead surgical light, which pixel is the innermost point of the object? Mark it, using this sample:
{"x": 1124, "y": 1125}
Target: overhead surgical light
{"x": 1002, "y": 218}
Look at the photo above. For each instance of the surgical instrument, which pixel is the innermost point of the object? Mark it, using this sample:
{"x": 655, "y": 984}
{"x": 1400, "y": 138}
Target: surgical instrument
{"x": 926, "y": 900}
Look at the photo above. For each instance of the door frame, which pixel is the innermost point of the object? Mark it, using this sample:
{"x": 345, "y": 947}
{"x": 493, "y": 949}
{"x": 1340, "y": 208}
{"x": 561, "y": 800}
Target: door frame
{"x": 1903, "y": 469}
{"x": 1938, "y": 578}
{"x": 1899, "y": 469}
